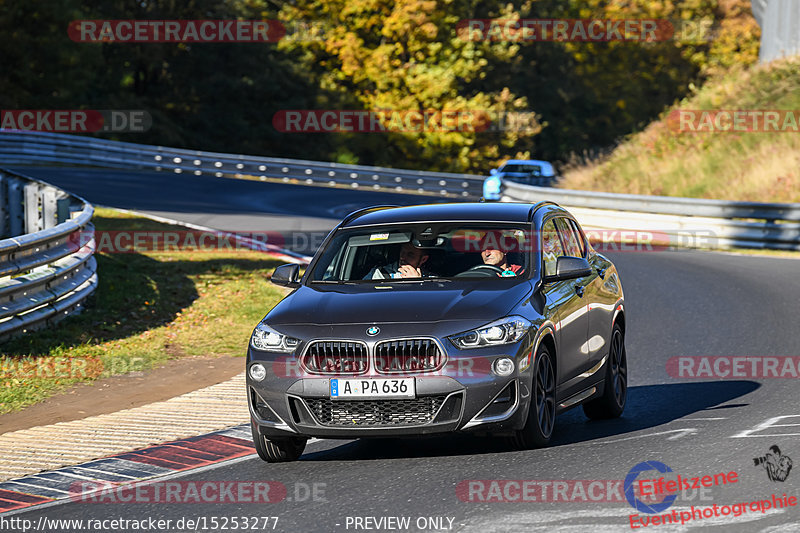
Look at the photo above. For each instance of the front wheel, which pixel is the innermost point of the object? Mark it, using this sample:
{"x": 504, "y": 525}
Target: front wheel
{"x": 612, "y": 402}
{"x": 542, "y": 412}
{"x": 277, "y": 450}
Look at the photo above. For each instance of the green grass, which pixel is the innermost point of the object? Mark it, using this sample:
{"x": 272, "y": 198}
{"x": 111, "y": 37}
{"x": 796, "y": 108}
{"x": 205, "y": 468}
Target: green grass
{"x": 148, "y": 307}
{"x": 735, "y": 166}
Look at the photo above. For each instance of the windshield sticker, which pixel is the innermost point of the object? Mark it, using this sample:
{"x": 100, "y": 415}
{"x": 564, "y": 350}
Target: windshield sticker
{"x": 379, "y": 236}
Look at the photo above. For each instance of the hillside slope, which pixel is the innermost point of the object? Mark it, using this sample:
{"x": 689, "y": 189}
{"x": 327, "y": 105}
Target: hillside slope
{"x": 742, "y": 165}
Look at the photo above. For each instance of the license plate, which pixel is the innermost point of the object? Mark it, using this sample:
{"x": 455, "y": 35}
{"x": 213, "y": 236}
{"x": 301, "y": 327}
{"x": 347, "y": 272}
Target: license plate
{"x": 373, "y": 388}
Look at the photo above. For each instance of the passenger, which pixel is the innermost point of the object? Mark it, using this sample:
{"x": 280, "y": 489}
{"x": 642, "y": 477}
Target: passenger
{"x": 551, "y": 248}
{"x": 409, "y": 265}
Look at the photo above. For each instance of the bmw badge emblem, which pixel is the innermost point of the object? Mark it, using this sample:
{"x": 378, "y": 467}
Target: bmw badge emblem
{"x": 374, "y": 330}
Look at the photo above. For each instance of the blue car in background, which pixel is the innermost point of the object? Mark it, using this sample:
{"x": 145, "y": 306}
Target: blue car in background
{"x": 527, "y": 171}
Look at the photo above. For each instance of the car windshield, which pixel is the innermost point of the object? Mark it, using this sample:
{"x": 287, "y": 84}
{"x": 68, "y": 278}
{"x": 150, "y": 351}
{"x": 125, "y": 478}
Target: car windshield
{"x": 419, "y": 252}
{"x": 525, "y": 169}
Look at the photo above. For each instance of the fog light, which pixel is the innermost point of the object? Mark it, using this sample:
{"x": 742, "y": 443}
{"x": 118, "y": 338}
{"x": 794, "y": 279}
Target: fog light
{"x": 503, "y": 366}
{"x": 258, "y": 372}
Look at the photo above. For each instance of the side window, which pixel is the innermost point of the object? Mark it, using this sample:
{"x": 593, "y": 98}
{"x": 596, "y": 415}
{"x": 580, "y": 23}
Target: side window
{"x": 576, "y": 230}
{"x": 551, "y": 247}
{"x": 572, "y": 248}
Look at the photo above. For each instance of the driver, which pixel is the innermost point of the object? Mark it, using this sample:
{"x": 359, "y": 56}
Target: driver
{"x": 493, "y": 255}
{"x": 409, "y": 265}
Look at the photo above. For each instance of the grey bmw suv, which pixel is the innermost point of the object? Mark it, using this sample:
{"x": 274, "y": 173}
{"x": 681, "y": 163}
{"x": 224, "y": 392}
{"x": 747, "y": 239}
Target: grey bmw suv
{"x": 489, "y": 318}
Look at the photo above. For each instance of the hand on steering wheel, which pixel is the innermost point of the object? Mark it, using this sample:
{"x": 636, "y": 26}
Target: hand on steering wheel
{"x": 481, "y": 271}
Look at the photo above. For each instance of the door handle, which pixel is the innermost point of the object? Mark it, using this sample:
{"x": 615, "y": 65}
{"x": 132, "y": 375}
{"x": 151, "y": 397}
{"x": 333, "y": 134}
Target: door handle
{"x": 602, "y": 273}
{"x": 579, "y": 290}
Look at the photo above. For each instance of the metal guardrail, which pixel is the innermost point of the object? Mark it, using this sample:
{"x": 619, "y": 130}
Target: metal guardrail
{"x": 18, "y": 147}
{"x": 47, "y": 267}
{"x": 685, "y": 222}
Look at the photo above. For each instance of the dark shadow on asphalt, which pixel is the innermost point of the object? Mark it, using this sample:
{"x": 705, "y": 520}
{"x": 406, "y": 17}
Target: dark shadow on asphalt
{"x": 649, "y": 406}
{"x": 135, "y": 293}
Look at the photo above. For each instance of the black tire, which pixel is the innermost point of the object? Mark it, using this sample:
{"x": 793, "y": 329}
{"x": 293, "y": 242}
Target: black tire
{"x": 612, "y": 402}
{"x": 542, "y": 412}
{"x": 277, "y": 450}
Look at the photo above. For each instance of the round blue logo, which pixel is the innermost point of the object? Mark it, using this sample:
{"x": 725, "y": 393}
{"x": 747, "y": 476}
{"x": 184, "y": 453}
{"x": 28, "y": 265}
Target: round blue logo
{"x": 630, "y": 482}
{"x": 372, "y": 331}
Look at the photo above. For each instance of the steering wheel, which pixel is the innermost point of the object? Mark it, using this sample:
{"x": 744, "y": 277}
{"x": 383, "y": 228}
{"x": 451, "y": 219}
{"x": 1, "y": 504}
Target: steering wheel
{"x": 483, "y": 271}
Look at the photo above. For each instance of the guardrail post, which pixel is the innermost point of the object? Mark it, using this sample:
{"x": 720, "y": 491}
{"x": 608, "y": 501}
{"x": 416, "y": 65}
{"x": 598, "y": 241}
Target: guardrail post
{"x": 48, "y": 208}
{"x": 33, "y": 219}
{"x": 16, "y": 215}
{"x": 62, "y": 210}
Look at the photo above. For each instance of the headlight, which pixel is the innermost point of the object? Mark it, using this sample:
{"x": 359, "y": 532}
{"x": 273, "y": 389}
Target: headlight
{"x": 503, "y": 331}
{"x": 267, "y": 339}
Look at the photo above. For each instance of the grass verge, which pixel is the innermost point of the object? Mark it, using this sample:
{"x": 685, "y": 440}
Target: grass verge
{"x": 148, "y": 307}
{"x": 745, "y": 166}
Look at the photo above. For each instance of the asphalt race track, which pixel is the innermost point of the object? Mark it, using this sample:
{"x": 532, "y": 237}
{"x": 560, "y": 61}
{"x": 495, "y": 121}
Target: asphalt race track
{"x": 678, "y": 304}
{"x": 300, "y": 212}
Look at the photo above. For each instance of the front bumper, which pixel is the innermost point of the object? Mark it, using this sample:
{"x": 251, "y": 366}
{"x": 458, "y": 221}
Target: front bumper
{"x": 464, "y": 395}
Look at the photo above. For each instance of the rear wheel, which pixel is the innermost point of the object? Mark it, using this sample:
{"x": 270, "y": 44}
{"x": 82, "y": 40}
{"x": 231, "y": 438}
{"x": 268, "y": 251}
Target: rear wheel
{"x": 612, "y": 402}
{"x": 542, "y": 412}
{"x": 277, "y": 450}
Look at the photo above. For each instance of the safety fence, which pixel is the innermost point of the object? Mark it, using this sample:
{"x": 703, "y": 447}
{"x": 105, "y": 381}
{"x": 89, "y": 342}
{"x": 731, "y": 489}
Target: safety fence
{"x": 47, "y": 267}
{"x": 24, "y": 148}
{"x": 681, "y": 222}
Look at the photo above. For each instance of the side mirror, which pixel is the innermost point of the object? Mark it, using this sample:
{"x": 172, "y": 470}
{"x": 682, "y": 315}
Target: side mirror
{"x": 570, "y": 268}
{"x": 286, "y": 276}
{"x": 493, "y": 171}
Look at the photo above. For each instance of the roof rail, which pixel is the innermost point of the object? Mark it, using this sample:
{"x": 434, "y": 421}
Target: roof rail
{"x": 358, "y": 212}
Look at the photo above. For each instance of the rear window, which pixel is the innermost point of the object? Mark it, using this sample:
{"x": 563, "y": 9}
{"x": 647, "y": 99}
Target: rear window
{"x": 532, "y": 169}
{"x": 570, "y": 238}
